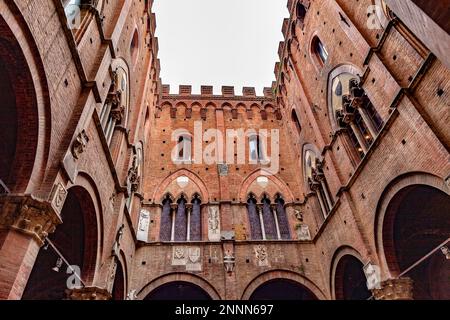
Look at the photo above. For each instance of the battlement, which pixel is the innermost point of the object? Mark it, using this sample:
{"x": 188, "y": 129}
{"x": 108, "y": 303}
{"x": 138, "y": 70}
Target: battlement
{"x": 228, "y": 92}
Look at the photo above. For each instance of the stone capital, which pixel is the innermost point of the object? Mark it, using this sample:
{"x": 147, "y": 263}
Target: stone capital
{"x": 28, "y": 215}
{"x": 394, "y": 289}
{"x": 88, "y": 293}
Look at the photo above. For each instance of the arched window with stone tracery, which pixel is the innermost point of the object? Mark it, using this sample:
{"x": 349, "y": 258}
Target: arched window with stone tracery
{"x": 268, "y": 221}
{"x": 115, "y": 110}
{"x": 352, "y": 110}
{"x": 316, "y": 181}
{"x": 181, "y": 220}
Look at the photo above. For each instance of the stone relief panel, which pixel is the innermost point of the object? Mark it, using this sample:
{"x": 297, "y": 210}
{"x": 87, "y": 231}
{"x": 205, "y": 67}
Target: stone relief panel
{"x": 213, "y": 223}
{"x": 189, "y": 257}
{"x": 262, "y": 259}
{"x": 144, "y": 223}
{"x": 303, "y": 232}
{"x": 58, "y": 197}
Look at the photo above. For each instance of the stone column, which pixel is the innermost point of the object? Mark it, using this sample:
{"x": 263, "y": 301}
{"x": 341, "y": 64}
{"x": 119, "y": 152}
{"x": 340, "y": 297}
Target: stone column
{"x": 188, "y": 224}
{"x": 24, "y": 225}
{"x": 275, "y": 216}
{"x": 395, "y": 289}
{"x": 173, "y": 213}
{"x": 261, "y": 220}
{"x": 359, "y": 137}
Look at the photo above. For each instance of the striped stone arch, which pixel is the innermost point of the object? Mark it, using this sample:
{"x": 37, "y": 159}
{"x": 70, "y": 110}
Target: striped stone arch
{"x": 175, "y": 277}
{"x": 282, "y": 274}
{"x": 200, "y": 186}
{"x": 280, "y": 185}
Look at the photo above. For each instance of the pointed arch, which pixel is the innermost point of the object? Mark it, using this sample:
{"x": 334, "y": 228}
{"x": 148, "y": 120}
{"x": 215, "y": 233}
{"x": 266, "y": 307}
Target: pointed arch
{"x": 161, "y": 191}
{"x": 277, "y": 181}
{"x": 281, "y": 274}
{"x": 175, "y": 277}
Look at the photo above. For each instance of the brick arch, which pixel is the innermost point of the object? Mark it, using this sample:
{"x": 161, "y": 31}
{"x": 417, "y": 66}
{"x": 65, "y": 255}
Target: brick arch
{"x": 338, "y": 255}
{"x": 174, "y": 277}
{"x": 387, "y": 256}
{"x": 281, "y": 274}
{"x": 25, "y": 68}
{"x": 122, "y": 262}
{"x": 281, "y": 185}
{"x": 160, "y": 192}
{"x": 211, "y": 104}
{"x": 166, "y": 104}
{"x": 76, "y": 239}
{"x": 85, "y": 181}
{"x": 227, "y": 105}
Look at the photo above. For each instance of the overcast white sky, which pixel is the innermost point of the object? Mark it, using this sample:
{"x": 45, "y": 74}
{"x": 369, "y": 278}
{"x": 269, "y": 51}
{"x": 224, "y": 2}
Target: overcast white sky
{"x": 219, "y": 42}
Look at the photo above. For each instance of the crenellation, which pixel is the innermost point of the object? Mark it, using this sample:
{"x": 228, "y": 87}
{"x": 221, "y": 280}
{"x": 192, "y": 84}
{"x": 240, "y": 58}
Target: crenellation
{"x": 228, "y": 91}
{"x": 249, "y": 92}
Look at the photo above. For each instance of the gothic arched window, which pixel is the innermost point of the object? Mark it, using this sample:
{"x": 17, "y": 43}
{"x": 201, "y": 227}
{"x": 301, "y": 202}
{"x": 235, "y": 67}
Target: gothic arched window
{"x": 267, "y": 221}
{"x": 301, "y": 14}
{"x": 115, "y": 110}
{"x": 295, "y": 121}
{"x": 354, "y": 112}
{"x": 181, "y": 221}
{"x": 184, "y": 148}
{"x": 320, "y": 53}
{"x": 317, "y": 182}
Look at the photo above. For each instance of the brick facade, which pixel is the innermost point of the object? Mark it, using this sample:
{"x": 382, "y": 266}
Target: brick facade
{"x": 94, "y": 149}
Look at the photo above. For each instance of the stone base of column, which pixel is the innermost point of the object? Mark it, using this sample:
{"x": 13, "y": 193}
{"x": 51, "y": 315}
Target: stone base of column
{"x": 89, "y": 293}
{"x": 395, "y": 289}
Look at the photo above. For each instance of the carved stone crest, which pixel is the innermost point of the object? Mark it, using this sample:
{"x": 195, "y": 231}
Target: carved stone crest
{"x": 194, "y": 259}
{"x": 298, "y": 215}
{"x": 58, "y": 197}
{"x": 229, "y": 261}
{"x": 223, "y": 169}
{"x": 261, "y": 255}
{"x": 79, "y": 145}
{"x": 213, "y": 223}
{"x": 179, "y": 256}
{"x": 303, "y": 232}
{"x": 144, "y": 222}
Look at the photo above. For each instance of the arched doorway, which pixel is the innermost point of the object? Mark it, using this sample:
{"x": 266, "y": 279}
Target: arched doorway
{"x": 19, "y": 119}
{"x": 416, "y": 223}
{"x": 75, "y": 240}
{"x": 118, "y": 290}
{"x": 282, "y": 289}
{"x": 178, "y": 290}
{"x": 350, "y": 280}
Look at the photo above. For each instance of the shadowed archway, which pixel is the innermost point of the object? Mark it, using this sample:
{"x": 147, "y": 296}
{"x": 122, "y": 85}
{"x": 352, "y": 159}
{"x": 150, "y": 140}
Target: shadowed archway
{"x": 76, "y": 241}
{"x": 350, "y": 280}
{"x": 416, "y": 223}
{"x": 282, "y": 289}
{"x": 178, "y": 290}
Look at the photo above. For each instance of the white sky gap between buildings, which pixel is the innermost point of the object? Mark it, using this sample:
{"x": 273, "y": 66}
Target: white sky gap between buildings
{"x": 219, "y": 42}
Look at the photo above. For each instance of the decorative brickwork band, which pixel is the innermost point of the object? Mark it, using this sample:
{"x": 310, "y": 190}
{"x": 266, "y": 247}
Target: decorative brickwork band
{"x": 29, "y": 216}
{"x": 395, "y": 289}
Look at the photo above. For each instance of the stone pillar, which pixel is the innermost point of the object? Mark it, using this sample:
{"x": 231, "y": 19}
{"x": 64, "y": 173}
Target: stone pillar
{"x": 24, "y": 225}
{"x": 89, "y": 293}
{"x": 395, "y": 289}
{"x": 188, "y": 223}
{"x": 261, "y": 221}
